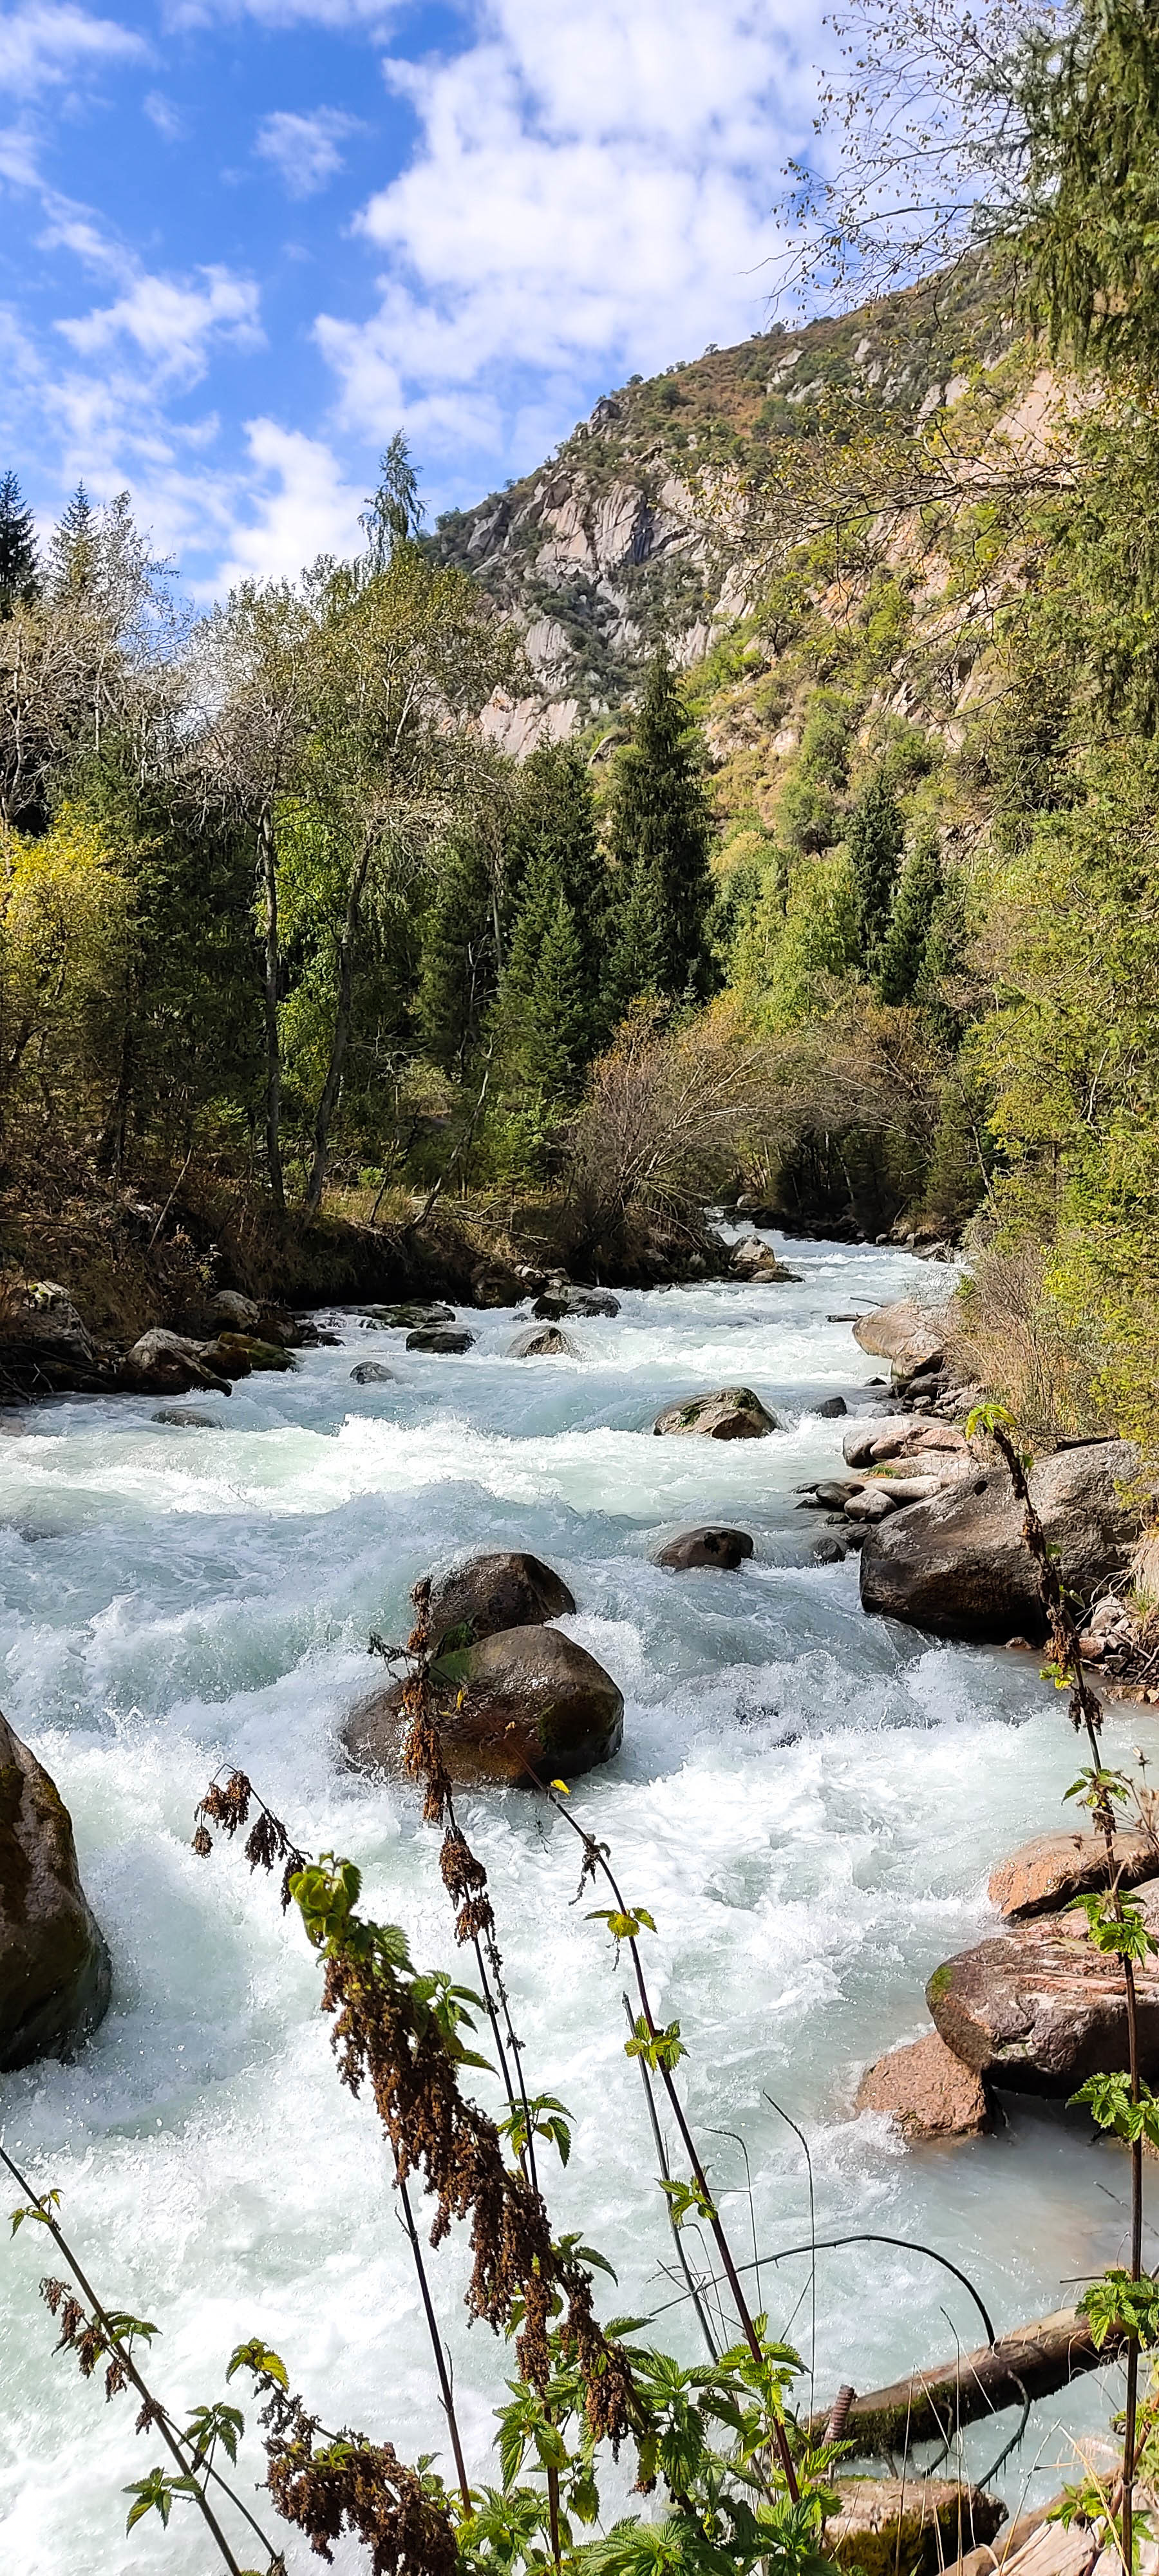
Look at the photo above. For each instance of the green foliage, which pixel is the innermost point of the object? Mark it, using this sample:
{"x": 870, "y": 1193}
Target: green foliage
{"x": 1118, "y": 2305}
{"x": 19, "y": 570}
{"x": 1108, "y": 2098}
{"x": 901, "y": 957}
{"x": 157, "y": 2494}
{"x": 874, "y": 838}
{"x": 661, "y": 835}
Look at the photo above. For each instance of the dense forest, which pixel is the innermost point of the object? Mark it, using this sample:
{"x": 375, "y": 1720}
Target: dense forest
{"x": 283, "y": 922}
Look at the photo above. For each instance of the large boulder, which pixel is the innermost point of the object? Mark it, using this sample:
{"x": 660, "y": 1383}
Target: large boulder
{"x": 164, "y": 1363}
{"x": 907, "y": 1334}
{"x": 908, "y": 2526}
{"x": 557, "y": 1303}
{"x": 959, "y": 1565}
{"x": 506, "y": 1590}
{"x": 723, "y": 1549}
{"x": 732, "y": 1413}
{"x": 1039, "y": 2009}
{"x": 1054, "y": 1868}
{"x": 236, "y": 1354}
{"x": 44, "y": 1343}
{"x": 752, "y": 1259}
{"x": 233, "y": 1313}
{"x": 522, "y": 1706}
{"x": 547, "y": 1344}
{"x": 54, "y": 1966}
{"x": 450, "y": 1339}
{"x": 927, "y": 2091}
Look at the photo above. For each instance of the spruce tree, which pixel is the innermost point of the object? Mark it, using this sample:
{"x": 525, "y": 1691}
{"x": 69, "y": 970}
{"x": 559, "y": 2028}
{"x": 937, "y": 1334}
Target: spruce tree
{"x": 661, "y": 824}
{"x": 874, "y": 841}
{"x": 19, "y": 571}
{"x": 457, "y": 969}
{"x": 73, "y": 545}
{"x": 902, "y": 953}
{"x": 555, "y": 1048}
{"x": 553, "y": 855}
{"x": 636, "y": 959}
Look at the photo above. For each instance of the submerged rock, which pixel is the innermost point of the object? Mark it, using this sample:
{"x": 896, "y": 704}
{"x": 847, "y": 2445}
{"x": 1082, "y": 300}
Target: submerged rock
{"x": 183, "y": 1417}
{"x": 55, "y": 1974}
{"x": 450, "y": 1339}
{"x": 371, "y": 1373}
{"x": 915, "y": 2525}
{"x": 959, "y": 1565}
{"x": 732, "y": 1413}
{"x": 723, "y": 1549}
{"x": 927, "y": 2091}
{"x": 1050, "y": 1871}
{"x": 1039, "y": 2009}
{"x": 505, "y": 1590}
{"x": 549, "y": 1344}
{"x": 830, "y": 1408}
{"x": 522, "y": 1706}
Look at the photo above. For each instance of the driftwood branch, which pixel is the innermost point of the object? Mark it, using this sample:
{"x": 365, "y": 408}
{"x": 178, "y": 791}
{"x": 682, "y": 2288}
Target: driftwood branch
{"x": 1034, "y": 2361}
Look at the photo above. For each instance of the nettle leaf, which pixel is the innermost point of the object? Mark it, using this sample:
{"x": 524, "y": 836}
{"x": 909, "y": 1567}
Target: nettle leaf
{"x": 157, "y": 2494}
{"x": 1116, "y": 1925}
{"x": 41, "y": 2210}
{"x": 661, "y": 2050}
{"x": 256, "y": 2356}
{"x": 683, "y": 2197}
{"x": 1117, "y": 2304}
{"x": 210, "y": 2424}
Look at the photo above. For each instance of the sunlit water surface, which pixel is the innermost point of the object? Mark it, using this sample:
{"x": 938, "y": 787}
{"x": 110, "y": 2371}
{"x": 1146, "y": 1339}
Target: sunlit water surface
{"x": 808, "y": 1801}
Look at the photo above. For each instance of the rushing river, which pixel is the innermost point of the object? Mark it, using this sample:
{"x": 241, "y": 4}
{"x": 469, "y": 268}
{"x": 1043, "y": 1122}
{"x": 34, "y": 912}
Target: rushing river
{"x": 808, "y": 1801}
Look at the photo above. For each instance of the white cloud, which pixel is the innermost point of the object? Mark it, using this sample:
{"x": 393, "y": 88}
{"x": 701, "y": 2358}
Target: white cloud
{"x": 593, "y": 186}
{"x": 309, "y": 511}
{"x": 304, "y": 149}
{"x": 172, "y": 322}
{"x": 167, "y": 118}
{"x": 51, "y": 39}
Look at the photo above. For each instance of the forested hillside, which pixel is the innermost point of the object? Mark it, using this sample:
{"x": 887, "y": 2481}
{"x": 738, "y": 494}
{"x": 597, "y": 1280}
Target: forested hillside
{"x": 826, "y": 871}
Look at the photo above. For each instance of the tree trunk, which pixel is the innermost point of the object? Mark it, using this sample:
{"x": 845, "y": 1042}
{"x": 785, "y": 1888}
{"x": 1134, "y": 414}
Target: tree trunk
{"x": 269, "y": 876}
{"x": 338, "y": 1044}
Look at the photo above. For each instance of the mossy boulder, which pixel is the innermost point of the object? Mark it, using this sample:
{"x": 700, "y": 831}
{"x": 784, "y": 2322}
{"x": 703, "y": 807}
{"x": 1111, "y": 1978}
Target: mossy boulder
{"x": 238, "y": 1353}
{"x": 526, "y": 1705}
{"x": 55, "y": 1974}
{"x": 732, "y": 1413}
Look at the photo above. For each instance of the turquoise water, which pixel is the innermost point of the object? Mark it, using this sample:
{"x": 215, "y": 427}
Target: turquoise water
{"x": 808, "y": 1801}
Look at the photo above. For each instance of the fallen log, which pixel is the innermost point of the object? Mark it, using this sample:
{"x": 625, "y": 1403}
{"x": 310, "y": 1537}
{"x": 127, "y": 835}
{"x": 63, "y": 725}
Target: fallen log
{"x": 1034, "y": 2361}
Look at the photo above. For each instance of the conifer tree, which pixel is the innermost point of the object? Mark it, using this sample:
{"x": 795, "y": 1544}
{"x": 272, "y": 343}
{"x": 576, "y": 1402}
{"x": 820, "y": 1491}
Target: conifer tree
{"x": 555, "y": 1049}
{"x": 662, "y": 826}
{"x": 457, "y": 972}
{"x": 553, "y": 857}
{"x": 636, "y": 962}
{"x": 902, "y": 953}
{"x": 19, "y": 571}
{"x": 874, "y": 842}
{"x": 73, "y": 544}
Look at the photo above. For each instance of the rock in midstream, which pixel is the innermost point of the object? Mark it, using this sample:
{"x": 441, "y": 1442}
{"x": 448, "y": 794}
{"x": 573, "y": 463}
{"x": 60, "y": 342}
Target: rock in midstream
{"x": 508, "y": 1589}
{"x": 546, "y": 1344}
{"x": 720, "y": 1548}
{"x": 927, "y": 2091}
{"x": 55, "y": 1974}
{"x": 525, "y": 1706}
{"x": 731, "y": 1413}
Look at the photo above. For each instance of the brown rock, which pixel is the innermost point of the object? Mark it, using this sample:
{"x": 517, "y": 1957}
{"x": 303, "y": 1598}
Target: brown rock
{"x": 525, "y": 1705}
{"x": 721, "y": 1548}
{"x": 928, "y": 2091}
{"x": 54, "y": 1966}
{"x": 1046, "y": 1873}
{"x": 959, "y": 1566}
{"x": 907, "y": 1334}
{"x": 916, "y": 2525}
{"x": 487, "y": 1593}
{"x": 899, "y": 1435}
{"x": 1039, "y": 2009}
{"x": 732, "y": 1413}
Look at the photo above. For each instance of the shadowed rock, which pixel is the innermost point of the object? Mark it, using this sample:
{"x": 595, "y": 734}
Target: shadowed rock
{"x": 371, "y": 1373}
{"x": 959, "y": 1565}
{"x": 523, "y": 1706}
{"x": 54, "y": 1966}
{"x": 164, "y": 1363}
{"x": 181, "y": 1417}
{"x": 722, "y": 1548}
{"x": 558, "y": 1302}
{"x": 732, "y": 1413}
{"x": 450, "y": 1339}
{"x": 504, "y": 1590}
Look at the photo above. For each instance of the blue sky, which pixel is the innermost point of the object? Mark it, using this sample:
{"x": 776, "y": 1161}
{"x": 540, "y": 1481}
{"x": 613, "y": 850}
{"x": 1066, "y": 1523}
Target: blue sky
{"x": 243, "y": 241}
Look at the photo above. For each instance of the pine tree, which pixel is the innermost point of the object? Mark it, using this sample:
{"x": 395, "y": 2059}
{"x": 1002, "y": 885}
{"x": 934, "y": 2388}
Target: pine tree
{"x": 874, "y": 844}
{"x": 553, "y": 856}
{"x": 661, "y": 820}
{"x": 902, "y": 953}
{"x": 19, "y": 570}
{"x": 73, "y": 545}
{"x": 457, "y": 970}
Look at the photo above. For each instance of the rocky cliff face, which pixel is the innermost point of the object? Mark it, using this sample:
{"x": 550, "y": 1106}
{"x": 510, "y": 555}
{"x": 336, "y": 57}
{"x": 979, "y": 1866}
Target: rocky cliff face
{"x": 654, "y": 515}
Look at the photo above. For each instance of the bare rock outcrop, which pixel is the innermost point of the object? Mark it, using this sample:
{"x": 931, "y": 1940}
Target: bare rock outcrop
{"x": 907, "y": 1334}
